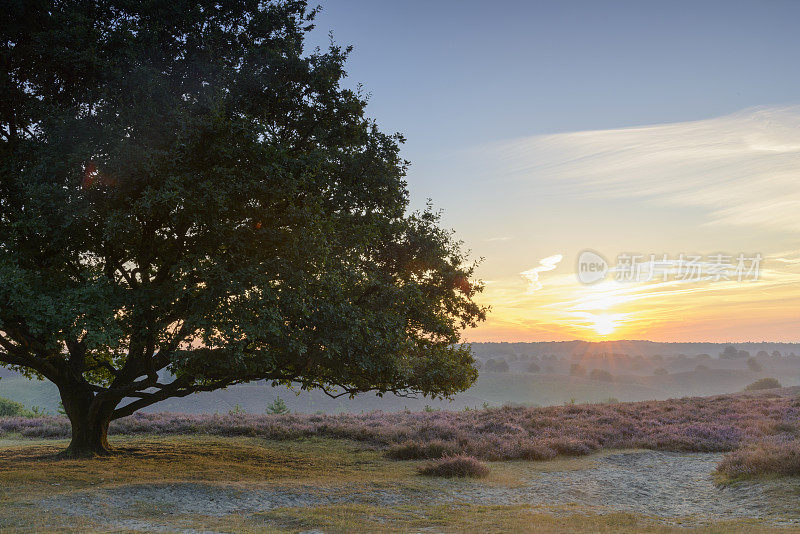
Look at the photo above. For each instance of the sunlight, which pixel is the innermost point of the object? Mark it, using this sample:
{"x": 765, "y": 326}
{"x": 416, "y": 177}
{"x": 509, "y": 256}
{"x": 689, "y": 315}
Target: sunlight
{"x": 604, "y": 324}
{"x": 603, "y": 296}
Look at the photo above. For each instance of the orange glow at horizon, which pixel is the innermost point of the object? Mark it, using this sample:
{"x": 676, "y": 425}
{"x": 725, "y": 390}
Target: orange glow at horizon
{"x": 564, "y": 309}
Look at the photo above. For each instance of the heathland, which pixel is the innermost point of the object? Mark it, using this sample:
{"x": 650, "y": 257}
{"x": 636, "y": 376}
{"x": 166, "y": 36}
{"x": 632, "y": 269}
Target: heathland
{"x": 654, "y": 466}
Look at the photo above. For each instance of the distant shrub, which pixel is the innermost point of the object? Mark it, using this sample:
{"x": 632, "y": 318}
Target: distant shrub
{"x": 703, "y": 356}
{"x": 455, "y": 466}
{"x": 776, "y": 354}
{"x": 496, "y": 366}
{"x": 753, "y": 364}
{"x": 10, "y": 408}
{"x": 762, "y": 354}
{"x": 767, "y": 458}
{"x": 601, "y": 374}
{"x": 549, "y": 369}
{"x": 533, "y": 367}
{"x": 763, "y": 383}
{"x": 660, "y": 371}
{"x": 577, "y": 369}
{"x": 610, "y": 400}
{"x": 701, "y": 367}
{"x": 237, "y": 410}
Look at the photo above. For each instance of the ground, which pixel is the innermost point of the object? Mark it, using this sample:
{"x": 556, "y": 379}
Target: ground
{"x": 207, "y": 483}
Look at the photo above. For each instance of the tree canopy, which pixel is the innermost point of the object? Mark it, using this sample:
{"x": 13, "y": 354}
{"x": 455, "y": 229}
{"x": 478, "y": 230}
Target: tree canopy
{"x": 189, "y": 199}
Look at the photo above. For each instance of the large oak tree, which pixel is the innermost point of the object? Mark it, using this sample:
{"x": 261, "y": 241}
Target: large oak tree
{"x": 190, "y": 200}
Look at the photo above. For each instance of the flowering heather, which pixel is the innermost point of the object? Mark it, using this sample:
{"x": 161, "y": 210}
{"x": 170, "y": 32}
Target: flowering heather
{"x": 772, "y": 457}
{"x": 722, "y": 423}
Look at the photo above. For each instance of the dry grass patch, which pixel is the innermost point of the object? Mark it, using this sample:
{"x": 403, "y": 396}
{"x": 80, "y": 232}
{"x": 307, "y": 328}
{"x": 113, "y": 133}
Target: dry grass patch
{"x": 483, "y": 520}
{"x": 34, "y": 468}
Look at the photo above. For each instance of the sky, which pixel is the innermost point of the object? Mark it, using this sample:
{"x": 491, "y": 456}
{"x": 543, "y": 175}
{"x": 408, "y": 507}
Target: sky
{"x": 635, "y": 130}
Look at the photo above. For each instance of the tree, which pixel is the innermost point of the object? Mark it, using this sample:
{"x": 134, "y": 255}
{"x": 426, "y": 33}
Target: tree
{"x": 577, "y": 369}
{"x": 753, "y": 365}
{"x": 278, "y": 407}
{"x": 601, "y": 374}
{"x": 188, "y": 201}
{"x": 499, "y": 365}
{"x": 730, "y": 353}
{"x": 10, "y": 408}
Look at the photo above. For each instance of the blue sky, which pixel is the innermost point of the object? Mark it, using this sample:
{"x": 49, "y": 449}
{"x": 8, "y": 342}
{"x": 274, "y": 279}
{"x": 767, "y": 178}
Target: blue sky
{"x": 480, "y": 88}
{"x": 450, "y": 74}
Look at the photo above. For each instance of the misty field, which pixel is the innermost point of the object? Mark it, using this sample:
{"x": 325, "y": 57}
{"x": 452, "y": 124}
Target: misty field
{"x": 634, "y": 467}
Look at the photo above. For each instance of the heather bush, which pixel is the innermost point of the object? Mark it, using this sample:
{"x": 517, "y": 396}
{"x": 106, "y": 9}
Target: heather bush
{"x": 531, "y": 451}
{"x": 415, "y": 450}
{"x": 763, "y": 383}
{"x": 660, "y": 371}
{"x": 455, "y": 466}
{"x": 762, "y": 459}
{"x": 721, "y": 423}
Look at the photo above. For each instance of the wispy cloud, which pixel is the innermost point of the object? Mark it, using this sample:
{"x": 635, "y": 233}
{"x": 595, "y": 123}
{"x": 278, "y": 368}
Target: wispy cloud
{"x": 545, "y": 264}
{"x": 740, "y": 169}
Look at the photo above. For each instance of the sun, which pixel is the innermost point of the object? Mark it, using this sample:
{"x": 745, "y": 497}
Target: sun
{"x": 604, "y": 324}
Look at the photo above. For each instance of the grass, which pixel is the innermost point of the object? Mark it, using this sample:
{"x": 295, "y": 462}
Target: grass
{"x": 30, "y": 478}
{"x": 492, "y": 519}
{"x": 145, "y": 460}
{"x": 29, "y": 472}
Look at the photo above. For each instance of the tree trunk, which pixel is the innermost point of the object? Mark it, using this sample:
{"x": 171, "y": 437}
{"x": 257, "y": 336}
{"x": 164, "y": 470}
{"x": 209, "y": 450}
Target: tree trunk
{"x": 89, "y": 420}
{"x": 89, "y": 438}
